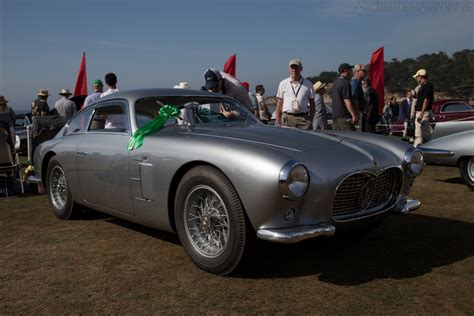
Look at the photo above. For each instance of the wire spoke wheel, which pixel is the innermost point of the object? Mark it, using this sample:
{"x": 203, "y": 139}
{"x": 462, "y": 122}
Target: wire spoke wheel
{"x": 58, "y": 187}
{"x": 210, "y": 220}
{"x": 59, "y": 192}
{"x": 206, "y": 221}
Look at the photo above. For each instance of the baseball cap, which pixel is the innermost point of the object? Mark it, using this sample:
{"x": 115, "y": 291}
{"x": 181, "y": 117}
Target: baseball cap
{"x": 212, "y": 77}
{"x": 344, "y": 66}
{"x": 295, "y": 61}
{"x": 245, "y": 84}
{"x": 97, "y": 82}
{"x": 420, "y": 72}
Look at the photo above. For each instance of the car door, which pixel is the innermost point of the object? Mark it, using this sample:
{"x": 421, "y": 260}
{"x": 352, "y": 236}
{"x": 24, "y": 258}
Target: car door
{"x": 103, "y": 158}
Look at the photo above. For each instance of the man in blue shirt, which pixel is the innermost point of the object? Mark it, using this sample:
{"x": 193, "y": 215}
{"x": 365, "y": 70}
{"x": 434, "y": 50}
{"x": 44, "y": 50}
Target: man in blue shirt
{"x": 358, "y": 94}
{"x": 345, "y": 114}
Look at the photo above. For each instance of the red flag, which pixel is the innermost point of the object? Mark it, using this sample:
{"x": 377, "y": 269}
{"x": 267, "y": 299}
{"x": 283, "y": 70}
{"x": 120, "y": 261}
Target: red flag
{"x": 229, "y": 66}
{"x": 376, "y": 75}
{"x": 81, "y": 82}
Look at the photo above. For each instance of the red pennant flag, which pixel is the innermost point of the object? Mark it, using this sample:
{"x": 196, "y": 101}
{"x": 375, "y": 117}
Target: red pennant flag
{"x": 229, "y": 66}
{"x": 376, "y": 75}
{"x": 81, "y": 82}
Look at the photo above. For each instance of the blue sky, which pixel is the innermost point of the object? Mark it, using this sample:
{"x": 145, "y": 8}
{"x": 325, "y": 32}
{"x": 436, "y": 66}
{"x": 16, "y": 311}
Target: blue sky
{"x": 159, "y": 43}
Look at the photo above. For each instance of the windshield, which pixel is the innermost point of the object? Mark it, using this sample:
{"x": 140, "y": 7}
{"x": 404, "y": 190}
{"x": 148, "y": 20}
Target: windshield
{"x": 195, "y": 111}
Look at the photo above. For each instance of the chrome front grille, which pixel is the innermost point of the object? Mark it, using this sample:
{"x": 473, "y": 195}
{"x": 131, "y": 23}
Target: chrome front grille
{"x": 364, "y": 193}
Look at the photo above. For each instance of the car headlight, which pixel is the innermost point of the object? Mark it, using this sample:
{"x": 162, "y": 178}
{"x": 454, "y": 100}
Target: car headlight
{"x": 414, "y": 162}
{"x": 293, "y": 180}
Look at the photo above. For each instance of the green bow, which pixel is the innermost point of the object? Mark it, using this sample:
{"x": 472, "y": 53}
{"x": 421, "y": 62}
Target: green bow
{"x": 167, "y": 111}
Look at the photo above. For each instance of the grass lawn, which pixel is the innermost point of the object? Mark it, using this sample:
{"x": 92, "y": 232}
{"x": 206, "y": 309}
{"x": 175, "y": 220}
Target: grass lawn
{"x": 417, "y": 264}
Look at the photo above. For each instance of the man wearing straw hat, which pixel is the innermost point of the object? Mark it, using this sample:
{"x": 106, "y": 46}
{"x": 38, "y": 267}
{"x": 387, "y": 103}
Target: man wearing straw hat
{"x": 65, "y": 107}
{"x": 320, "y": 121}
{"x": 40, "y": 107}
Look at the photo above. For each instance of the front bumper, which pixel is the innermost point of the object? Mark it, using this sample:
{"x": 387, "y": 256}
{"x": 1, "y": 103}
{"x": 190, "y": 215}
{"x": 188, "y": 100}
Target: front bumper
{"x": 296, "y": 234}
{"x": 291, "y": 235}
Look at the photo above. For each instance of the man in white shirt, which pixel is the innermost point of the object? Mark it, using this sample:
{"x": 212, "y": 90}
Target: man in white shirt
{"x": 295, "y": 99}
{"x": 98, "y": 86}
{"x": 111, "y": 81}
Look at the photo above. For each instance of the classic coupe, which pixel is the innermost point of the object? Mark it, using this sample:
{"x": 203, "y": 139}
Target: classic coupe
{"x": 218, "y": 177}
{"x": 458, "y": 138}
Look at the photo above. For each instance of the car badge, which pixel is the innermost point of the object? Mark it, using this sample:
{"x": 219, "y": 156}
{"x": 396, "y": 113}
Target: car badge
{"x": 375, "y": 162}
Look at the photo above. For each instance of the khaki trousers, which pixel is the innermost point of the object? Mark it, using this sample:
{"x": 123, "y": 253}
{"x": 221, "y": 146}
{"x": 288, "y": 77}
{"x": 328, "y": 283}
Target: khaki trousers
{"x": 423, "y": 129}
{"x": 343, "y": 124}
{"x": 296, "y": 121}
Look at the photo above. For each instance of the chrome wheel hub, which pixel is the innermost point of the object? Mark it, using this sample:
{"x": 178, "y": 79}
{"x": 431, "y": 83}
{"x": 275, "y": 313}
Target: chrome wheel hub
{"x": 58, "y": 187}
{"x": 206, "y": 221}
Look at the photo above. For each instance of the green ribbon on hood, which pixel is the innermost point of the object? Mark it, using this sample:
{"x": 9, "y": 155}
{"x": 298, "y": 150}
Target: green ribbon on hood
{"x": 167, "y": 111}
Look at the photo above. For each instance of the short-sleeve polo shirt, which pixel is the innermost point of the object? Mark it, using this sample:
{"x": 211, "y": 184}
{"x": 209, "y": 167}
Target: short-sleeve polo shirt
{"x": 301, "y": 91}
{"x": 426, "y": 92}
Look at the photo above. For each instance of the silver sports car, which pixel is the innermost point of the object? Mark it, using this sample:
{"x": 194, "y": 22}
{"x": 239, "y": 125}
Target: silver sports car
{"x": 218, "y": 177}
{"x": 460, "y": 143}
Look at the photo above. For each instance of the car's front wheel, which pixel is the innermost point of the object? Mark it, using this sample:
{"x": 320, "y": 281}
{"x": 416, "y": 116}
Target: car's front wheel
{"x": 210, "y": 220}
{"x": 466, "y": 166}
{"x": 58, "y": 191}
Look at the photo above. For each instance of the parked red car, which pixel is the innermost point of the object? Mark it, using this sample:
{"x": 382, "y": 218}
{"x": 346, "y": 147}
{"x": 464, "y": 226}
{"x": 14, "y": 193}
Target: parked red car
{"x": 443, "y": 110}
{"x": 452, "y": 110}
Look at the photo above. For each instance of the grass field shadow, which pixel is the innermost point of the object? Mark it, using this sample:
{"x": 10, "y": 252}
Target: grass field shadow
{"x": 155, "y": 233}
{"x": 402, "y": 247}
{"x": 455, "y": 180}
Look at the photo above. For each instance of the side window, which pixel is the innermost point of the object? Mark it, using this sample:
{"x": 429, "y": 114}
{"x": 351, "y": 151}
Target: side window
{"x": 455, "y": 107}
{"x": 145, "y": 111}
{"x": 79, "y": 123}
{"x": 109, "y": 118}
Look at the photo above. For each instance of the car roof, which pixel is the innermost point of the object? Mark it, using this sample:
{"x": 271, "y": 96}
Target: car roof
{"x": 142, "y": 93}
{"x": 440, "y": 103}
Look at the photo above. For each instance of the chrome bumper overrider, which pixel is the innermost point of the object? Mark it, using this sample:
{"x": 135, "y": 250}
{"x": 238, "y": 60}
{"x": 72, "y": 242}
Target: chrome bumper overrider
{"x": 296, "y": 234}
{"x": 34, "y": 179}
{"x": 407, "y": 205}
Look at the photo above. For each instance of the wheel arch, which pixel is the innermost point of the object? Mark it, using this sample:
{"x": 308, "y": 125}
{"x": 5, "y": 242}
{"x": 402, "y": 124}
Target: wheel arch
{"x": 461, "y": 158}
{"x": 44, "y": 165}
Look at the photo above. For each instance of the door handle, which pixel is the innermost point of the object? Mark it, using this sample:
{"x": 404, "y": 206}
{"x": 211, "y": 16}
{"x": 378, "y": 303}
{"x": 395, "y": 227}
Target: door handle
{"x": 83, "y": 153}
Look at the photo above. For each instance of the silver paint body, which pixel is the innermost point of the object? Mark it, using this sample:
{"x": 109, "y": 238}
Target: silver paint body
{"x": 137, "y": 185}
{"x": 461, "y": 144}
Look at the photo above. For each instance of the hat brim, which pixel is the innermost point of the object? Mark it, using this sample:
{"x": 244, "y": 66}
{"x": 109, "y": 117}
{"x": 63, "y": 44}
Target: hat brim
{"x": 65, "y": 93}
{"x": 43, "y": 95}
{"x": 323, "y": 86}
{"x": 212, "y": 84}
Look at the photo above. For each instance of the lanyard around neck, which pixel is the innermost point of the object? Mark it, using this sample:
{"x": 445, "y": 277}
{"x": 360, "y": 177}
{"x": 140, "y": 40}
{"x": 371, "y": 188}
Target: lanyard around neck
{"x": 298, "y": 91}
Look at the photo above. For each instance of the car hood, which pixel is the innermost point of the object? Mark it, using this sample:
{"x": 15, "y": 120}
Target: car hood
{"x": 284, "y": 138}
{"x": 306, "y": 145}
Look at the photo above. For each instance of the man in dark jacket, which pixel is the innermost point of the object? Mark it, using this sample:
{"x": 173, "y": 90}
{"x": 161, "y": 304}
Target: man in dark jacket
{"x": 372, "y": 108}
{"x": 405, "y": 109}
{"x": 40, "y": 107}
